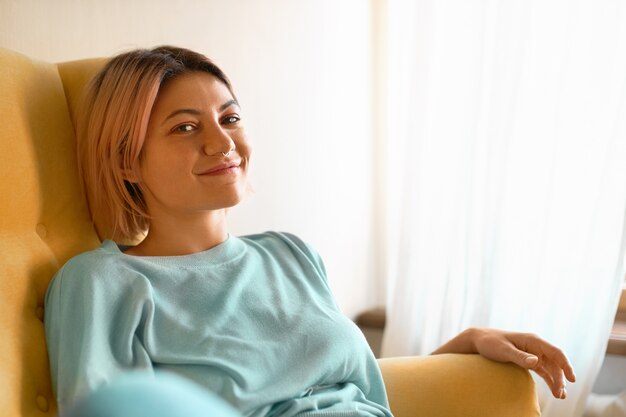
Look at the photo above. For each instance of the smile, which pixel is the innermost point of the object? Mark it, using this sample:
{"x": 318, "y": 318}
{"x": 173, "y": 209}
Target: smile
{"x": 224, "y": 169}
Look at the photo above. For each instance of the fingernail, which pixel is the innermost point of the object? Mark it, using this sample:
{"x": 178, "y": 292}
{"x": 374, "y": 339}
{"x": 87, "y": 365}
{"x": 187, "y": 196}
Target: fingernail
{"x": 563, "y": 393}
{"x": 531, "y": 359}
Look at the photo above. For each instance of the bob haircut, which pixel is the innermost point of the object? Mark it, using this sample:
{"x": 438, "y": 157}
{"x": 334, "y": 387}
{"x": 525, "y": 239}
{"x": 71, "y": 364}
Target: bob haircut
{"x": 112, "y": 121}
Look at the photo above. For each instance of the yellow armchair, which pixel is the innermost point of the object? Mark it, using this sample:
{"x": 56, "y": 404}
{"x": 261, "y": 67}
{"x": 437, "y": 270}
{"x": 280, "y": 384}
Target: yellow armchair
{"x": 44, "y": 221}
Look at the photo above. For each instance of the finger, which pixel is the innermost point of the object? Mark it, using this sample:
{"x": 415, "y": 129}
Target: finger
{"x": 569, "y": 373}
{"x": 547, "y": 376}
{"x": 555, "y": 388}
{"x": 550, "y": 352}
{"x": 557, "y": 374}
{"x": 524, "y": 359}
{"x": 568, "y": 370}
{"x": 563, "y": 363}
{"x": 554, "y": 377}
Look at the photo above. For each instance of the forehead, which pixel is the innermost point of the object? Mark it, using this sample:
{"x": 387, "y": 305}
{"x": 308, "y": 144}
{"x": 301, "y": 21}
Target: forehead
{"x": 198, "y": 90}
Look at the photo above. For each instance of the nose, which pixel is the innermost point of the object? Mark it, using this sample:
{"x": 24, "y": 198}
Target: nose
{"x": 217, "y": 141}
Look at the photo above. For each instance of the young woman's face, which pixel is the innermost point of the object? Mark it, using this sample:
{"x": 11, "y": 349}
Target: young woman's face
{"x": 194, "y": 122}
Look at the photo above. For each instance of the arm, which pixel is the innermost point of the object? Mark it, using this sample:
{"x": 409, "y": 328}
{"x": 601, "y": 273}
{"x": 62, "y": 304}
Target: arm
{"x": 90, "y": 326}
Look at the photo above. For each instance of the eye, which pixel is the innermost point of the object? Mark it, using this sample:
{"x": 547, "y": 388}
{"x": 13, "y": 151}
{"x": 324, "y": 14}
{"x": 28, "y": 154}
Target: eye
{"x": 184, "y": 128}
{"x": 232, "y": 119}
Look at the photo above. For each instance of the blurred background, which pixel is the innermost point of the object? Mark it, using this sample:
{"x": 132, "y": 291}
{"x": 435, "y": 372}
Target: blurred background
{"x": 456, "y": 162}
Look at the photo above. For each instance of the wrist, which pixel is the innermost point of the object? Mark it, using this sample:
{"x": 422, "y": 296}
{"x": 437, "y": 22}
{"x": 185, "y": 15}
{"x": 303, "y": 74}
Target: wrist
{"x": 471, "y": 336}
{"x": 464, "y": 342}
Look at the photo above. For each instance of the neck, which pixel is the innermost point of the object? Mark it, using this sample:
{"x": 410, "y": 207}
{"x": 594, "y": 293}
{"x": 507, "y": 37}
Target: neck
{"x": 183, "y": 235}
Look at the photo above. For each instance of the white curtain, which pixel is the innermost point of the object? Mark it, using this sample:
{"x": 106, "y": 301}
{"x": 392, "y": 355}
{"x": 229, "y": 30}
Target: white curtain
{"x": 505, "y": 169}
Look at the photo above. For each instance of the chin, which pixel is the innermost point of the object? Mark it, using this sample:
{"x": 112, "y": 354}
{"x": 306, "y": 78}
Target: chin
{"x": 231, "y": 201}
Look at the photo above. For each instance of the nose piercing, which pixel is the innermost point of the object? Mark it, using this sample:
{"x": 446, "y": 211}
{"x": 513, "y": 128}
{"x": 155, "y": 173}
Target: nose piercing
{"x": 228, "y": 153}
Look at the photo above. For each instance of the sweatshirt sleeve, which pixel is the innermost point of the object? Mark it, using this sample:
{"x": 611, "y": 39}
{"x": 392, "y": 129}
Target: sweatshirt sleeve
{"x": 92, "y": 317}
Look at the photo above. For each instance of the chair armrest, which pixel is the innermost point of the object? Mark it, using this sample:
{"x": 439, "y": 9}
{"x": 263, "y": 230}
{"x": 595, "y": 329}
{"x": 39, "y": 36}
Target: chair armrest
{"x": 455, "y": 385}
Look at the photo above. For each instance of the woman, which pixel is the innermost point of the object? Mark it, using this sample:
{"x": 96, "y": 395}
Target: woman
{"x": 163, "y": 153}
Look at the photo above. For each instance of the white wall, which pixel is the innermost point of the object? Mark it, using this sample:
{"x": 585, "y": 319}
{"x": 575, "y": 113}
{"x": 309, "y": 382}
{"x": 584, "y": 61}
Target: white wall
{"x": 303, "y": 73}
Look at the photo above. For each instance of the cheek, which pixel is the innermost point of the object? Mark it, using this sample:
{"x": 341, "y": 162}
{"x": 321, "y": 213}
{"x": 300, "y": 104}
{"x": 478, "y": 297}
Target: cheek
{"x": 244, "y": 147}
{"x": 160, "y": 168}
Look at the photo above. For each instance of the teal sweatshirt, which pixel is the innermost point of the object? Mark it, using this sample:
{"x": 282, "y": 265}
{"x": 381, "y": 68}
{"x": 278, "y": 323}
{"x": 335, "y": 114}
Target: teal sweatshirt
{"x": 252, "y": 320}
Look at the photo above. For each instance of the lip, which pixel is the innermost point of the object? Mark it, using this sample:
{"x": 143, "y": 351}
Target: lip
{"x": 221, "y": 169}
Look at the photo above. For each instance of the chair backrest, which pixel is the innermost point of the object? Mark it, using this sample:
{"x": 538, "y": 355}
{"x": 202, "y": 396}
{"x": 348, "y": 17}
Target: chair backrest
{"x": 43, "y": 216}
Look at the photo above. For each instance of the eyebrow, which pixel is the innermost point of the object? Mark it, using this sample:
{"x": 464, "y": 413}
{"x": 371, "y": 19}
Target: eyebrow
{"x": 197, "y": 112}
{"x": 228, "y": 104}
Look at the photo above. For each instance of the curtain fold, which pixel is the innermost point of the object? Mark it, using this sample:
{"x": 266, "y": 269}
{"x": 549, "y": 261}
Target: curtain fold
{"x": 506, "y": 175}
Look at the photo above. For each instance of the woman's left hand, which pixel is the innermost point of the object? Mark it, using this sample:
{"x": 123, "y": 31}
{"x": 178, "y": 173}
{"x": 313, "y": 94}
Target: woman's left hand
{"x": 524, "y": 349}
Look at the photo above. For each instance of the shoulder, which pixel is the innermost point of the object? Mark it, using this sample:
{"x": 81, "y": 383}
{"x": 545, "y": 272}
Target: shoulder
{"x": 106, "y": 252}
{"x": 95, "y": 270}
{"x": 286, "y": 244}
{"x": 280, "y": 241}
{"x": 276, "y": 239}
